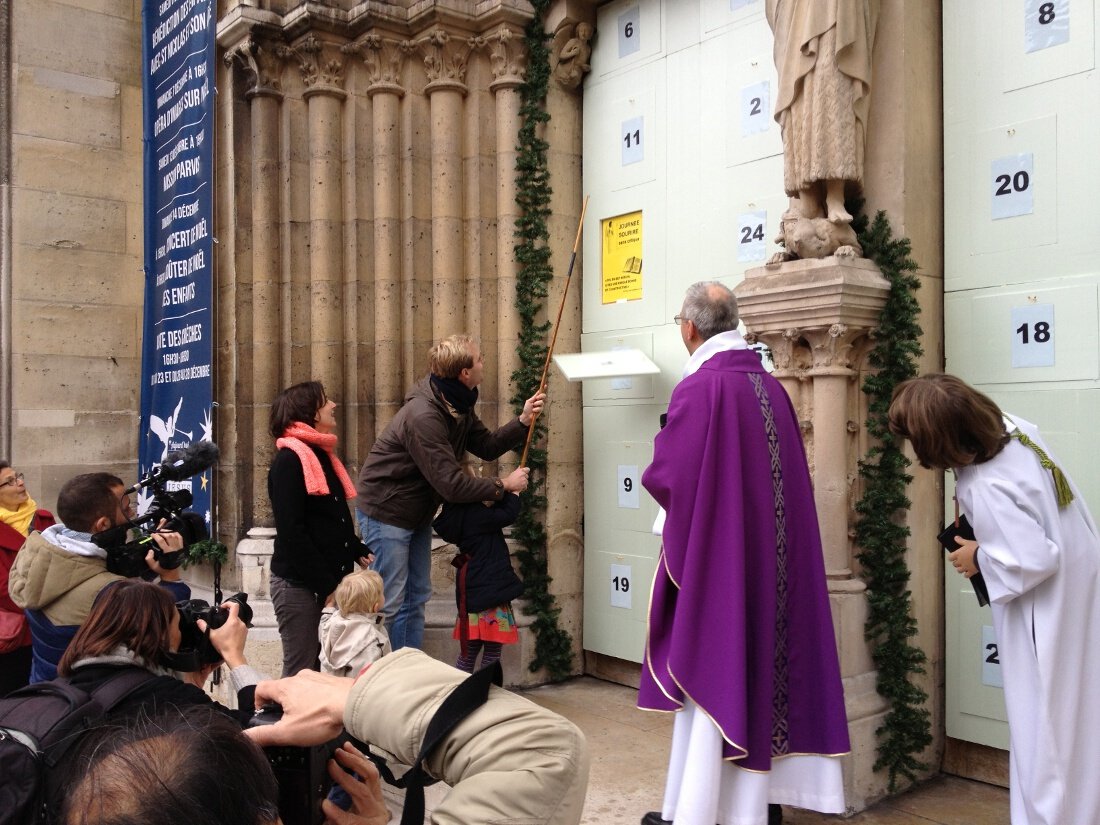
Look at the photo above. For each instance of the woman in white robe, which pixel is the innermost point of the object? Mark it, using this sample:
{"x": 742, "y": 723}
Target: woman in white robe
{"x": 1038, "y": 550}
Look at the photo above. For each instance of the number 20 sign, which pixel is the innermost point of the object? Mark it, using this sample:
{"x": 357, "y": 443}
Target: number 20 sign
{"x": 1013, "y": 181}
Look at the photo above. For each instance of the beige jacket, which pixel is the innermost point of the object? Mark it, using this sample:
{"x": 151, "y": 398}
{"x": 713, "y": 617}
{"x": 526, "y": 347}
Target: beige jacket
{"x": 350, "y": 643}
{"x": 510, "y": 762}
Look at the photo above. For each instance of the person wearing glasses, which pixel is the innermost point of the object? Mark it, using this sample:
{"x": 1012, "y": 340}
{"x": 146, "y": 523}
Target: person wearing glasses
{"x": 60, "y": 571}
{"x": 19, "y": 516}
{"x": 740, "y": 643}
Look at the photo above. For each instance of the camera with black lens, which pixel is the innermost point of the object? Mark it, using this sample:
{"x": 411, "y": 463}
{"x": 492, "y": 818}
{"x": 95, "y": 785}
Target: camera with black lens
{"x": 300, "y": 772}
{"x": 195, "y": 650}
{"x": 126, "y": 554}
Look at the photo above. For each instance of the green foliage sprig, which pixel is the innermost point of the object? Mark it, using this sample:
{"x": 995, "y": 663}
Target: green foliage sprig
{"x": 206, "y": 550}
{"x": 880, "y": 529}
{"x": 553, "y": 645}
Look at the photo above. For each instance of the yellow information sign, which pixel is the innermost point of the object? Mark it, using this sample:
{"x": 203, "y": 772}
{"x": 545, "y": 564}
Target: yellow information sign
{"x": 621, "y": 238}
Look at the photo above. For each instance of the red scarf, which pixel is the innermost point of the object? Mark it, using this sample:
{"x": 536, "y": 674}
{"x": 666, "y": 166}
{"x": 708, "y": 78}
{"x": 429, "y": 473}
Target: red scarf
{"x": 296, "y": 437}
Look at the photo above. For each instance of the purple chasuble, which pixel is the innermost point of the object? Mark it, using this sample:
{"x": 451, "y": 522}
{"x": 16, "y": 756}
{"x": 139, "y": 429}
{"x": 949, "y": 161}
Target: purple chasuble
{"x": 739, "y": 621}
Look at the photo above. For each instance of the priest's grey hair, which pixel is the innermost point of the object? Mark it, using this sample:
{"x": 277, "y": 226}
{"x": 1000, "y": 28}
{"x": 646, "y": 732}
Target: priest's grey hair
{"x": 712, "y": 307}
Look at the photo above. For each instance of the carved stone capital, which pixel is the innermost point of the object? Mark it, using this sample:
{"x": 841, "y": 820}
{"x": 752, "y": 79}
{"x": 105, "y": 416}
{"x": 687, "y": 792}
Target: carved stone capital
{"x": 790, "y": 352}
{"x": 321, "y": 63}
{"x": 570, "y": 51}
{"x": 833, "y": 348}
{"x": 262, "y": 60}
{"x": 384, "y": 59}
{"x": 507, "y": 57}
{"x": 445, "y": 59}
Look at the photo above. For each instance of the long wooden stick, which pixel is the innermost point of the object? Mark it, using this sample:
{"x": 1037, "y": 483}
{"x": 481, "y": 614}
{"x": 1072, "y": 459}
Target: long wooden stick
{"x": 557, "y": 324}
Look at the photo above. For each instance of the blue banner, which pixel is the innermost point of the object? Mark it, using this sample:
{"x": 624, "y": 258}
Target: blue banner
{"x": 177, "y": 348}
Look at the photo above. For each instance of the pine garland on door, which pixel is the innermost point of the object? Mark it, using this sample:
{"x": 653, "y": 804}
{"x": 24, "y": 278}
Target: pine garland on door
{"x": 553, "y": 644}
{"x": 880, "y": 528}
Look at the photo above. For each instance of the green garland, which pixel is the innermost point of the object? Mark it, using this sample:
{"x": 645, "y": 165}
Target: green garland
{"x": 205, "y": 550}
{"x": 880, "y": 528}
{"x": 553, "y": 645}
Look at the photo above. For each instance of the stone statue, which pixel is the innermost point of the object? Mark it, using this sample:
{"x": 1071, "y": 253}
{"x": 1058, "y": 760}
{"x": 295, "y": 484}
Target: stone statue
{"x": 823, "y": 58}
{"x": 818, "y": 237}
{"x": 569, "y": 53}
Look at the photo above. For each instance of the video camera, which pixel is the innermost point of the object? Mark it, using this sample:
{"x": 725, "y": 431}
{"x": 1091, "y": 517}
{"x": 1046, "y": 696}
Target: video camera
{"x": 127, "y": 558}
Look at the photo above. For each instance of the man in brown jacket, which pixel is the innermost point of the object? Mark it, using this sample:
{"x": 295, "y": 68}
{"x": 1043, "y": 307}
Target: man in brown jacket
{"x": 416, "y": 462}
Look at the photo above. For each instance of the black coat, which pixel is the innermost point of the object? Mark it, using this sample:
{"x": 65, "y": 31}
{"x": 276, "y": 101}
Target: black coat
{"x": 315, "y": 541}
{"x": 159, "y": 693}
{"x": 476, "y": 530}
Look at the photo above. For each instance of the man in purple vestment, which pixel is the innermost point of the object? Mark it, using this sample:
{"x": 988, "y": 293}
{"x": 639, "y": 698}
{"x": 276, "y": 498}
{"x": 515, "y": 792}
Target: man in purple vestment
{"x": 740, "y": 639}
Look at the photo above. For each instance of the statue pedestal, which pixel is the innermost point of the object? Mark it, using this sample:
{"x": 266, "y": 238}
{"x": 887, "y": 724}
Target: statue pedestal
{"x": 817, "y": 316}
{"x": 812, "y": 293}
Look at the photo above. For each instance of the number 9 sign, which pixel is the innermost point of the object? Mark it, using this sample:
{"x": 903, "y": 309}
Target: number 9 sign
{"x": 628, "y": 487}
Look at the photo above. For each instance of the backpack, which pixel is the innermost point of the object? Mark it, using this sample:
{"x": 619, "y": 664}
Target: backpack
{"x": 38, "y": 726}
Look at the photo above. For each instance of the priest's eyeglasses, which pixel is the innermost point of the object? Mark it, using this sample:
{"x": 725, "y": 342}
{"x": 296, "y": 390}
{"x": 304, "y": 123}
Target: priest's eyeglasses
{"x": 679, "y": 319}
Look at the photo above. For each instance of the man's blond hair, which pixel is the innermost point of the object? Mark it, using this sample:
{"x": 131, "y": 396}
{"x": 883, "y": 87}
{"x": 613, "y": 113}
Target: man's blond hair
{"x": 360, "y": 592}
{"x": 452, "y": 355}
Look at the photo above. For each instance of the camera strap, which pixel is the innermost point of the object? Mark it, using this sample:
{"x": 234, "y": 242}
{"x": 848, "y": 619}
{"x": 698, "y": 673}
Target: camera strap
{"x": 468, "y": 696}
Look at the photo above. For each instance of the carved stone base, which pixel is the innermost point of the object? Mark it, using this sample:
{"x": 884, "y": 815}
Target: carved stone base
{"x": 812, "y": 294}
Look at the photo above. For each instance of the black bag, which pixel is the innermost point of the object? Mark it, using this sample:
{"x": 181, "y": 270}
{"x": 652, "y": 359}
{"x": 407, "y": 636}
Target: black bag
{"x": 38, "y": 726}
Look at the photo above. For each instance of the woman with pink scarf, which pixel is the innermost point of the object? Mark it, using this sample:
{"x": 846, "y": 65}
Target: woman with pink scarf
{"x": 315, "y": 542}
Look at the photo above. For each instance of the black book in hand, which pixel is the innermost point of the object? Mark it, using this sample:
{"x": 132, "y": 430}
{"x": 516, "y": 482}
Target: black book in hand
{"x": 947, "y": 539}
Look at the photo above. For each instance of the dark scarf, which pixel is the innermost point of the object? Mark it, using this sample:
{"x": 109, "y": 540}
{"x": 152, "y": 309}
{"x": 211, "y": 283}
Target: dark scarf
{"x": 457, "y": 394}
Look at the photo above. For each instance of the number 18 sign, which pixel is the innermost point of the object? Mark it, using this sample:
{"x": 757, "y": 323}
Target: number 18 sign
{"x": 1033, "y": 336}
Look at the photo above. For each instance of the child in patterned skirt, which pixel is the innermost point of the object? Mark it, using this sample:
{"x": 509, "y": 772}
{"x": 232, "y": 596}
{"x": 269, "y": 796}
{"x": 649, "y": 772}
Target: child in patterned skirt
{"x": 485, "y": 583}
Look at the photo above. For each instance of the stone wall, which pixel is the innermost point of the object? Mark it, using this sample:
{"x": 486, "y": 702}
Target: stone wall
{"x": 70, "y": 239}
{"x": 367, "y": 190}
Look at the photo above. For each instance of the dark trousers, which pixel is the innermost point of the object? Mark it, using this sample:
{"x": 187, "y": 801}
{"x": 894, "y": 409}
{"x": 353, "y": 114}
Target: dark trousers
{"x": 299, "y": 614}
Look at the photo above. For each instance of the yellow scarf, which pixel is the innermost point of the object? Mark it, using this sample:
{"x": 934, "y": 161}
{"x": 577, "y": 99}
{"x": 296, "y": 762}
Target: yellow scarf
{"x": 20, "y": 520}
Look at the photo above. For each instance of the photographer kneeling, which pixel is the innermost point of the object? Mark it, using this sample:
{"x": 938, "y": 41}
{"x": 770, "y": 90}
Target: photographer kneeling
{"x": 509, "y": 760}
{"x": 59, "y": 572}
{"x": 134, "y": 624}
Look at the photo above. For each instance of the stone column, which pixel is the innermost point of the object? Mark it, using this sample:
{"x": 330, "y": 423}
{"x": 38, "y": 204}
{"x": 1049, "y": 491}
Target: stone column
{"x": 445, "y": 64}
{"x": 383, "y": 58}
{"x": 322, "y": 72}
{"x": 265, "y": 96}
{"x": 572, "y": 27}
{"x": 506, "y": 58}
{"x": 816, "y": 316}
